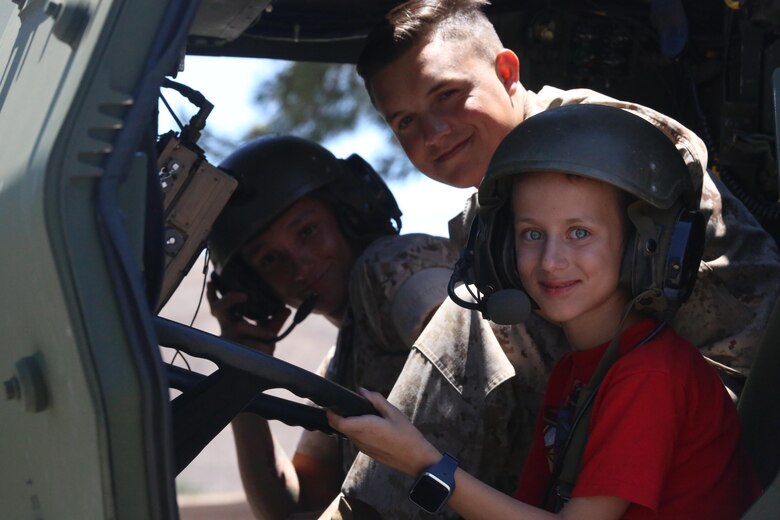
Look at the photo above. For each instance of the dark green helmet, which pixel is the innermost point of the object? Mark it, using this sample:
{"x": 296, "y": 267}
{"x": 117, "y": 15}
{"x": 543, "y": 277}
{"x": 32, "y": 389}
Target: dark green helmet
{"x": 275, "y": 171}
{"x": 611, "y": 145}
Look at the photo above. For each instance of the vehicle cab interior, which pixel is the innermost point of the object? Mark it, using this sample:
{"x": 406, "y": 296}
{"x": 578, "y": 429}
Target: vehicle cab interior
{"x": 102, "y": 214}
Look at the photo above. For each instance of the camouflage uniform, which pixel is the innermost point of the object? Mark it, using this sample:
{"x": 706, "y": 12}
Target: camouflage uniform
{"x": 394, "y": 287}
{"x": 457, "y": 386}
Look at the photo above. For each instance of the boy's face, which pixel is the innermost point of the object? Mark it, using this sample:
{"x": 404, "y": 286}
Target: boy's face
{"x": 569, "y": 244}
{"x": 304, "y": 252}
{"x": 449, "y": 107}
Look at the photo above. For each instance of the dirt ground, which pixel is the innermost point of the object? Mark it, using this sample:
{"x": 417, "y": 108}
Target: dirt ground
{"x": 210, "y": 485}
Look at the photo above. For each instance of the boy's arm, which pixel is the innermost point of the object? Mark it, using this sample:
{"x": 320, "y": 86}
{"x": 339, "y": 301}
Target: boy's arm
{"x": 392, "y": 440}
{"x": 474, "y": 500}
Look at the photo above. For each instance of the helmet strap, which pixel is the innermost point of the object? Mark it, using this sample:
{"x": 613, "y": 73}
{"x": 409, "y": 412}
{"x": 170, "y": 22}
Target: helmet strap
{"x": 569, "y": 462}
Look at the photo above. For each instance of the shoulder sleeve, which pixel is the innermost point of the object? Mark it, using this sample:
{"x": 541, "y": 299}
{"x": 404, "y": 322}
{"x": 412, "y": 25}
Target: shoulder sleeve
{"x": 459, "y": 226}
{"x": 737, "y": 285}
{"x": 396, "y": 285}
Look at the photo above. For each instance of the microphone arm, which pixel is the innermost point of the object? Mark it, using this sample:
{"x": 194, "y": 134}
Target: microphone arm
{"x": 304, "y": 310}
{"x": 504, "y": 307}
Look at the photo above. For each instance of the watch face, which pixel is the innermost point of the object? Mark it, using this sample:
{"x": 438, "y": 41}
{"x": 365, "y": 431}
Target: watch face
{"x": 429, "y": 492}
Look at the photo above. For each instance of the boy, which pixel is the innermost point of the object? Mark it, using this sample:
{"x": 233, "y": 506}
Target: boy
{"x": 438, "y": 73}
{"x": 606, "y": 237}
{"x": 303, "y": 222}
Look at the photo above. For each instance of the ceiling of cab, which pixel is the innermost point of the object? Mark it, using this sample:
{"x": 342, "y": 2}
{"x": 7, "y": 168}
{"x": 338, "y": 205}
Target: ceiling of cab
{"x": 300, "y": 30}
{"x": 335, "y": 30}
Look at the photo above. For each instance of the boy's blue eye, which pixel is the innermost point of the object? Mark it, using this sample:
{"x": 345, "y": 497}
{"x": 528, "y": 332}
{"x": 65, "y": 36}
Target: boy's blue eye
{"x": 579, "y": 233}
{"x": 532, "y": 234}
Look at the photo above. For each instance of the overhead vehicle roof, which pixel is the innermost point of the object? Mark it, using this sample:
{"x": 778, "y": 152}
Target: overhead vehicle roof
{"x": 335, "y": 30}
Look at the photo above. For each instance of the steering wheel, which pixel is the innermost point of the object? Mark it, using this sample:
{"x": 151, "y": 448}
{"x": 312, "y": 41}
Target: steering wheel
{"x": 209, "y": 403}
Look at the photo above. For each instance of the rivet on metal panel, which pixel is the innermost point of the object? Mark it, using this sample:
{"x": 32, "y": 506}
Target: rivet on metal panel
{"x": 70, "y": 20}
{"x": 30, "y": 384}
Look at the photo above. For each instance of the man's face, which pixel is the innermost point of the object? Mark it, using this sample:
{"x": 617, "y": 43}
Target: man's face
{"x": 304, "y": 252}
{"x": 449, "y": 108}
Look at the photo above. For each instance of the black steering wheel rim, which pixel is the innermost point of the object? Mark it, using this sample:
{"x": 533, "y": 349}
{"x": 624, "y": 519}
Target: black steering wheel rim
{"x": 209, "y": 403}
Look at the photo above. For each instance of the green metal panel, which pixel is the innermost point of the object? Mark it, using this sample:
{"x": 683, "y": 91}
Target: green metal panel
{"x": 80, "y": 439}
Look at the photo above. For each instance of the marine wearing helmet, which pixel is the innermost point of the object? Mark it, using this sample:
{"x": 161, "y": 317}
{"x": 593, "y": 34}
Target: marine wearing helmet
{"x": 305, "y": 229}
{"x": 276, "y": 171}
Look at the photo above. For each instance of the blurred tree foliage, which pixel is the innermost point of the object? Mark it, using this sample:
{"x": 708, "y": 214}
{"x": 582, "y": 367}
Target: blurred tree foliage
{"x": 322, "y": 101}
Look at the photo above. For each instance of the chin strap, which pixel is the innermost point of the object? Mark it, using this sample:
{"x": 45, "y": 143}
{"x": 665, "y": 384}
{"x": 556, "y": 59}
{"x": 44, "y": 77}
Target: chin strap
{"x": 569, "y": 463}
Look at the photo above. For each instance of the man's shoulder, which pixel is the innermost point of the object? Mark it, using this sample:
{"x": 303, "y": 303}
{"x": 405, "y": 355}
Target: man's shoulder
{"x": 397, "y": 283}
{"x": 412, "y": 247}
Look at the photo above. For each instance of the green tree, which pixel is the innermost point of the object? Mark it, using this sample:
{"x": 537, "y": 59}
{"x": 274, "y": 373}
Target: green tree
{"x": 323, "y": 101}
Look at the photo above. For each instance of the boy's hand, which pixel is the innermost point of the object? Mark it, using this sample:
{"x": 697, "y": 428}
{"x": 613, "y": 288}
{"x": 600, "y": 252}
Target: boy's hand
{"x": 390, "y": 439}
{"x": 238, "y": 328}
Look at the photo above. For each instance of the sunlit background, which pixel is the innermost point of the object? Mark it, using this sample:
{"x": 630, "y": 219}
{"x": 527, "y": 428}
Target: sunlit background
{"x": 231, "y": 85}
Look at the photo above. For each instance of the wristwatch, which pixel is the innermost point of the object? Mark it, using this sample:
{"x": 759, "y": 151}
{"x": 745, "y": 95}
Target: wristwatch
{"x": 434, "y": 486}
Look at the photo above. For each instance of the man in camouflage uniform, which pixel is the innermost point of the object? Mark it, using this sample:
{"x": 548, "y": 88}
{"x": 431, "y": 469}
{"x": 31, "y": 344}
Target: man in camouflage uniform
{"x": 471, "y": 386}
{"x": 303, "y": 222}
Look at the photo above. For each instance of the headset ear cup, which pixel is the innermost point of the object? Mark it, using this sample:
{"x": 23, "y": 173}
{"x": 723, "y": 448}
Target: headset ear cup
{"x": 508, "y": 274}
{"x": 261, "y": 302}
{"x": 628, "y": 267}
{"x": 683, "y": 257}
{"x": 504, "y": 250}
{"x": 639, "y": 259}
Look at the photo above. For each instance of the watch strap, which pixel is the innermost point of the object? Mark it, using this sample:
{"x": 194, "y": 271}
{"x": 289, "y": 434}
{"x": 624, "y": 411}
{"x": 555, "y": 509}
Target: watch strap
{"x": 445, "y": 470}
{"x": 434, "y": 486}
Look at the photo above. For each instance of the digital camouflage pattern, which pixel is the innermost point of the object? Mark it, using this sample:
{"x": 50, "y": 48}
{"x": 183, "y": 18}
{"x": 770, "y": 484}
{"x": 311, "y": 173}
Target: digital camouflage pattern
{"x": 457, "y": 386}
{"x": 396, "y": 284}
{"x": 393, "y": 275}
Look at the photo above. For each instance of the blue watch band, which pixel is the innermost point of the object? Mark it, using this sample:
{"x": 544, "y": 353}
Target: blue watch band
{"x": 434, "y": 486}
{"x": 445, "y": 470}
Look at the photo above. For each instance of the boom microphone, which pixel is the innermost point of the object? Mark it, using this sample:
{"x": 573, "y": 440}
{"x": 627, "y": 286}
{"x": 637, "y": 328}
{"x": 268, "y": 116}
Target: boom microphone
{"x": 507, "y": 307}
{"x": 304, "y": 310}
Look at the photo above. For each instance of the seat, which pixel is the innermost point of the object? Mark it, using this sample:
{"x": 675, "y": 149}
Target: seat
{"x": 759, "y": 409}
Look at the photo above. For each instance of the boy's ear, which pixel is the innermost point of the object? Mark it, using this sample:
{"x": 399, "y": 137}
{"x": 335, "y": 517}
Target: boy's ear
{"x": 508, "y": 69}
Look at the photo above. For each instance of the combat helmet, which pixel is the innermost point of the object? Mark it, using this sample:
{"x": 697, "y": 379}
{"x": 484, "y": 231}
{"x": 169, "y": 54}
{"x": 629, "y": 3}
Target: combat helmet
{"x": 666, "y": 237}
{"x": 275, "y": 171}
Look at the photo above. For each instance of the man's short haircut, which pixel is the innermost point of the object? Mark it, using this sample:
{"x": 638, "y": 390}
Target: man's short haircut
{"x": 417, "y": 20}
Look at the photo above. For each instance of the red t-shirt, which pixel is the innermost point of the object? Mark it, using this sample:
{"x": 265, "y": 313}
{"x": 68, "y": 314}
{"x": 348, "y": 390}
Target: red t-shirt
{"x": 663, "y": 433}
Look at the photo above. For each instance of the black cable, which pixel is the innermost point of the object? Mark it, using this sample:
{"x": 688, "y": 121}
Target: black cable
{"x": 170, "y": 111}
{"x": 769, "y": 211}
{"x": 203, "y": 286}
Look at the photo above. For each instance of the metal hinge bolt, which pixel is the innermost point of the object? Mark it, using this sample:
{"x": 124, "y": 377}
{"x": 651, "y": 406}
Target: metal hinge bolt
{"x": 28, "y": 384}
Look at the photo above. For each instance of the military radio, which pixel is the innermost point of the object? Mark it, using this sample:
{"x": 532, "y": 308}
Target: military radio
{"x": 194, "y": 193}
